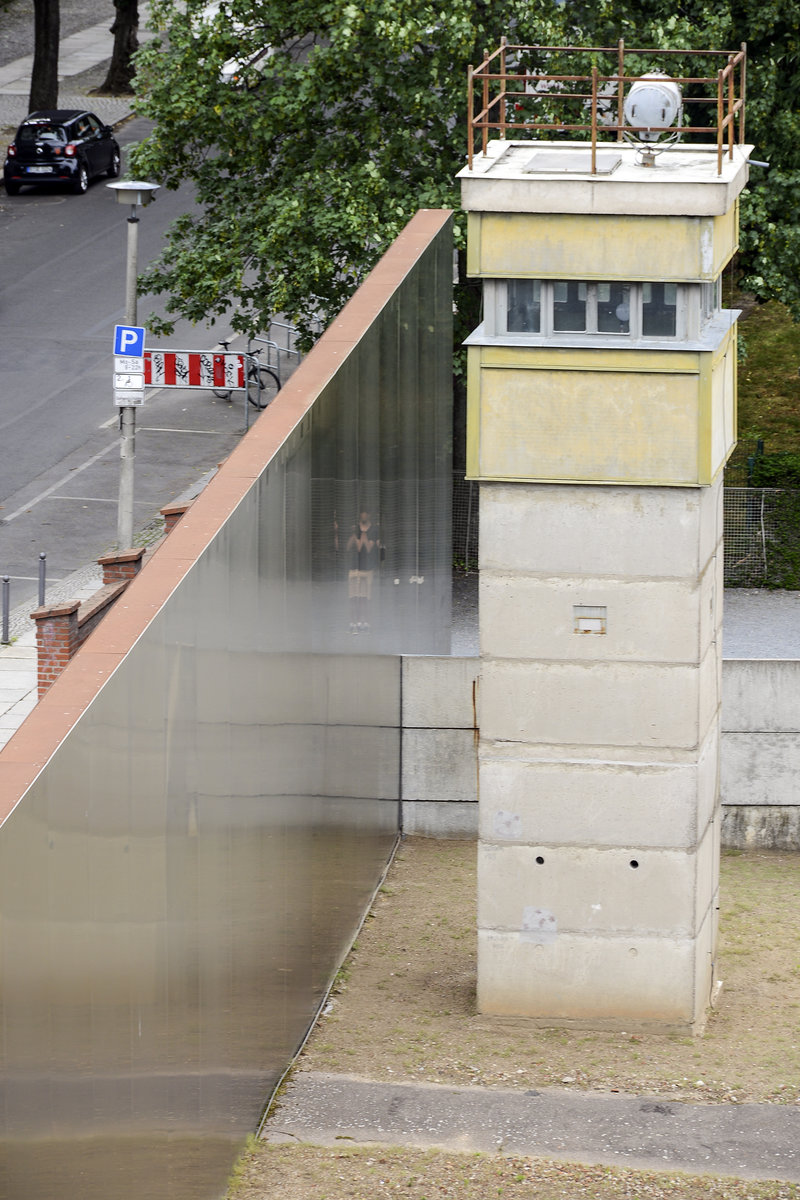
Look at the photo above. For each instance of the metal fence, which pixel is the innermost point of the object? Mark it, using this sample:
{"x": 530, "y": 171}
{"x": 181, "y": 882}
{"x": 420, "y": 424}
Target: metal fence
{"x": 465, "y": 522}
{"x": 762, "y": 537}
{"x": 762, "y": 534}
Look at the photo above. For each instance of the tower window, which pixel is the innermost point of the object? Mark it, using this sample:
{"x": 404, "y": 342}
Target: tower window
{"x": 659, "y": 309}
{"x": 569, "y": 305}
{"x": 643, "y": 310}
{"x": 524, "y": 306}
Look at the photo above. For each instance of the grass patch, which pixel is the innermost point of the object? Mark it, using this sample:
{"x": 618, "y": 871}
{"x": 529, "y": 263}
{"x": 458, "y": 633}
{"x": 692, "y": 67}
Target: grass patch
{"x": 769, "y": 387}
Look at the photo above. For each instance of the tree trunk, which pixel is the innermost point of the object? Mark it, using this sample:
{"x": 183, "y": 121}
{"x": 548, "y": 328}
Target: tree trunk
{"x": 126, "y": 43}
{"x": 44, "y": 77}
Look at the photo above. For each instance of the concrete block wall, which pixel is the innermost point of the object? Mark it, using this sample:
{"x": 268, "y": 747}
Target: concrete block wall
{"x": 760, "y": 777}
{"x": 760, "y": 768}
{"x": 440, "y": 746}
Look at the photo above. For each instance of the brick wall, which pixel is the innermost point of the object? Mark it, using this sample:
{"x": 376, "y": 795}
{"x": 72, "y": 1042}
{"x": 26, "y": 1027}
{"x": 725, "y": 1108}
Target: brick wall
{"x": 56, "y": 640}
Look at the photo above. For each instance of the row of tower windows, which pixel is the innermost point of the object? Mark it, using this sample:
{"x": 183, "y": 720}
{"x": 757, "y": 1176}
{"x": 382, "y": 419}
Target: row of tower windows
{"x": 632, "y": 310}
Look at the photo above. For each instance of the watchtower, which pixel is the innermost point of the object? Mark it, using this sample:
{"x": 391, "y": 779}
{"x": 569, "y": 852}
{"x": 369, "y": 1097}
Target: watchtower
{"x": 601, "y": 412}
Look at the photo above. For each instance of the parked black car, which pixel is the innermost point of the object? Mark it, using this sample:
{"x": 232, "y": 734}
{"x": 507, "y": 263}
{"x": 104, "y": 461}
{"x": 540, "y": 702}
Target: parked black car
{"x": 63, "y": 145}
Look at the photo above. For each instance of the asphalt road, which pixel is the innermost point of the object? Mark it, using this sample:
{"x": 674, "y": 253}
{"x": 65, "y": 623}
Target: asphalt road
{"x": 61, "y": 293}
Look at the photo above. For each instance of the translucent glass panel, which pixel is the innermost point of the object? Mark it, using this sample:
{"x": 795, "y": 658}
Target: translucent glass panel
{"x": 569, "y": 305}
{"x": 180, "y": 883}
{"x": 613, "y": 308}
{"x": 659, "y": 309}
{"x": 524, "y": 306}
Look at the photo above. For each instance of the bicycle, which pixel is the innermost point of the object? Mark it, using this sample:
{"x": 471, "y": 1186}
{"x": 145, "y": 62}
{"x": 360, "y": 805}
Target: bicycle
{"x": 264, "y": 382}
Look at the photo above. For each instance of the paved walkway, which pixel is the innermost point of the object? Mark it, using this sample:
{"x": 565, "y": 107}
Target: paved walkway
{"x": 18, "y": 682}
{"x": 752, "y": 1141}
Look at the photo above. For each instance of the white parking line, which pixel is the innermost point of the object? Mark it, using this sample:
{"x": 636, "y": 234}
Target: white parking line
{"x": 49, "y": 491}
{"x": 157, "y": 429}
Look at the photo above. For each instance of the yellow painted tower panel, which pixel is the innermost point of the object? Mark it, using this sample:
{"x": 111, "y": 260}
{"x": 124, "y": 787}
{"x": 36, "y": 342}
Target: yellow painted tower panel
{"x": 723, "y": 404}
{"x": 570, "y": 358}
{"x": 587, "y": 246}
{"x": 587, "y": 425}
{"x": 726, "y": 238}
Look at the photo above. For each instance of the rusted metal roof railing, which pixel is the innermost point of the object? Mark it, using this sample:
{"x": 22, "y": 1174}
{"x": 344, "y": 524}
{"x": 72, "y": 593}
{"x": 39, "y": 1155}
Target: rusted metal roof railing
{"x": 503, "y": 79}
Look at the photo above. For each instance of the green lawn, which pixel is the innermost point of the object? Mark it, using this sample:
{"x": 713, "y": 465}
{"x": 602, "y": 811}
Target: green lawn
{"x": 769, "y": 383}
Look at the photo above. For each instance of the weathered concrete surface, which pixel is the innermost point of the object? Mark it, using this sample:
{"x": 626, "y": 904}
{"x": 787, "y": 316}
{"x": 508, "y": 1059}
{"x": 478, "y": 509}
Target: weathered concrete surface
{"x": 756, "y": 1141}
{"x": 439, "y": 760}
{"x": 765, "y": 826}
{"x": 760, "y": 766}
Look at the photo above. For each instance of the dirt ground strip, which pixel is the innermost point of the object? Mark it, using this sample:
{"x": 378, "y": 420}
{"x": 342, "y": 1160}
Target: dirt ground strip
{"x": 403, "y": 1009}
{"x": 313, "y": 1173}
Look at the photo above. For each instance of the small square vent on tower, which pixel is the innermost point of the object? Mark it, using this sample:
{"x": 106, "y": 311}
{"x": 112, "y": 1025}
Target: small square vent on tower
{"x": 572, "y": 162}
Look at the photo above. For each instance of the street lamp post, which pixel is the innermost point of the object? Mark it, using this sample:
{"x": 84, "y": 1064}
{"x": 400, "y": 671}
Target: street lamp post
{"x": 136, "y": 195}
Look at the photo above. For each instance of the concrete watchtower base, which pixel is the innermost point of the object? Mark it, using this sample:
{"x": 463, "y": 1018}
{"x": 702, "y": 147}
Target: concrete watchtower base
{"x": 601, "y": 612}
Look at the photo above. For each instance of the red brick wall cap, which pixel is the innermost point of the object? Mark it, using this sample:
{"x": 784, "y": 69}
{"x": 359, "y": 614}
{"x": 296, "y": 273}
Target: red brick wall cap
{"x": 126, "y": 556}
{"x": 55, "y": 610}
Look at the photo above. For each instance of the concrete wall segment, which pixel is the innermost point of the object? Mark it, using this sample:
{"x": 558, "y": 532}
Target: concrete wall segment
{"x": 760, "y": 769}
{"x": 617, "y": 704}
{"x": 768, "y": 827}
{"x": 585, "y": 890}
{"x": 602, "y": 803}
{"x": 527, "y": 616}
{"x": 761, "y": 696}
{"x": 438, "y": 692}
{"x": 589, "y": 980}
{"x": 569, "y": 529}
{"x": 439, "y": 764}
{"x": 440, "y": 819}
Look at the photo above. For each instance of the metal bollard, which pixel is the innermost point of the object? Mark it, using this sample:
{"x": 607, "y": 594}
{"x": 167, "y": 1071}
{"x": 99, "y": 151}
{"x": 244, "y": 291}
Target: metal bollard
{"x": 42, "y": 576}
{"x": 6, "y": 592}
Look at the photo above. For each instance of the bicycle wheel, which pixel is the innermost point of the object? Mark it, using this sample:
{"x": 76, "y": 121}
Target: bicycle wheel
{"x": 221, "y": 393}
{"x": 264, "y": 386}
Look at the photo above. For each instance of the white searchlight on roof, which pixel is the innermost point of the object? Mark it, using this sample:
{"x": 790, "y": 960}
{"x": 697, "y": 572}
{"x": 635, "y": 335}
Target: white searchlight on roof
{"x": 653, "y": 106}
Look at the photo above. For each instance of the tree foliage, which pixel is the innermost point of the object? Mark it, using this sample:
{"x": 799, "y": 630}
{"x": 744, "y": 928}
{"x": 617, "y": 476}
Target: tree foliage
{"x": 306, "y": 171}
{"x": 308, "y": 166}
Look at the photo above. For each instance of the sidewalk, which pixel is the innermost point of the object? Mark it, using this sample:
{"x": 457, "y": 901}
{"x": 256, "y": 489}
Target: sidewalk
{"x": 80, "y": 53}
{"x": 753, "y": 1141}
{"x": 18, "y": 679}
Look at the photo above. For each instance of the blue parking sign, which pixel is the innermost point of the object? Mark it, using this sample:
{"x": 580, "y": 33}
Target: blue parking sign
{"x": 129, "y": 340}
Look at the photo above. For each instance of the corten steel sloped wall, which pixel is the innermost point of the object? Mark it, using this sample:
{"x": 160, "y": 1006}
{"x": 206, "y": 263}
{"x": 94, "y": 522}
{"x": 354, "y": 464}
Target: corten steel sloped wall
{"x": 196, "y": 815}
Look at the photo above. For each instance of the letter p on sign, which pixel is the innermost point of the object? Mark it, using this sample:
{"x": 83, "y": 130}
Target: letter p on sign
{"x": 129, "y": 340}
